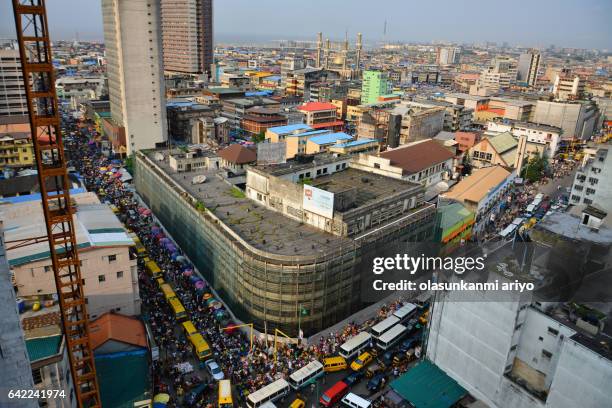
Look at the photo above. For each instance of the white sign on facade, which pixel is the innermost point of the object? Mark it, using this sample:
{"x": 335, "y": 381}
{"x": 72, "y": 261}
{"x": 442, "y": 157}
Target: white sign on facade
{"x": 318, "y": 201}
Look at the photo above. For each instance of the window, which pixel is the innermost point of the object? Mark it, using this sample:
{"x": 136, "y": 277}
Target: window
{"x": 48, "y": 268}
{"x": 541, "y": 338}
{"x": 377, "y": 165}
{"x": 546, "y": 354}
{"x": 37, "y": 375}
{"x": 119, "y": 274}
{"x": 101, "y": 278}
{"x": 587, "y": 201}
{"x": 552, "y": 331}
{"x": 112, "y": 258}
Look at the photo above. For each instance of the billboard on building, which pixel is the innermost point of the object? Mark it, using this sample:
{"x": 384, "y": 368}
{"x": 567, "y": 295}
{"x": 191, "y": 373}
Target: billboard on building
{"x": 271, "y": 153}
{"x": 318, "y": 201}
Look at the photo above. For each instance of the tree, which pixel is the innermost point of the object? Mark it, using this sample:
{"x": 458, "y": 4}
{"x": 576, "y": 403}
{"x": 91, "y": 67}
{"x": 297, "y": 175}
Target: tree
{"x": 259, "y": 137}
{"x": 535, "y": 168}
{"x": 467, "y": 164}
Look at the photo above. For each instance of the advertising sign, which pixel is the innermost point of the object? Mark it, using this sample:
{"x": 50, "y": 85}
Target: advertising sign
{"x": 318, "y": 201}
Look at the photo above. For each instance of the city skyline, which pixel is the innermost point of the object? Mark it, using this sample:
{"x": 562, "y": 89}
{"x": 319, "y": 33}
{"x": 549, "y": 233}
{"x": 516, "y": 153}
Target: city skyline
{"x": 545, "y": 24}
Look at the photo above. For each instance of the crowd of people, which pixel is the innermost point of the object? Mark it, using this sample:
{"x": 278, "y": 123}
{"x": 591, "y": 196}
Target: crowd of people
{"x": 248, "y": 368}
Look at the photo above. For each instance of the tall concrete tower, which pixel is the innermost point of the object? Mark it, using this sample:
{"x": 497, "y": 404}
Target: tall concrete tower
{"x": 345, "y": 51}
{"x": 358, "y": 54}
{"x": 327, "y": 52}
{"x": 135, "y": 71}
{"x": 319, "y": 49}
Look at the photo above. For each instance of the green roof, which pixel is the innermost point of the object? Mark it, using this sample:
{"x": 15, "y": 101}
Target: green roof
{"x": 503, "y": 142}
{"x": 43, "y": 347}
{"x": 453, "y": 214}
{"x": 427, "y": 386}
{"x": 124, "y": 379}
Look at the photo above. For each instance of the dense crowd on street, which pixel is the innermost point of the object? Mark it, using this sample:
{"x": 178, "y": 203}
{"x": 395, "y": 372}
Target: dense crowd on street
{"x": 248, "y": 369}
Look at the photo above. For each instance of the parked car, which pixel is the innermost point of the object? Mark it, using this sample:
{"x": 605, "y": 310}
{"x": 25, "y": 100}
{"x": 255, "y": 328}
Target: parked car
{"x": 360, "y": 362}
{"x": 353, "y": 378}
{"x": 377, "y": 382}
{"x": 214, "y": 370}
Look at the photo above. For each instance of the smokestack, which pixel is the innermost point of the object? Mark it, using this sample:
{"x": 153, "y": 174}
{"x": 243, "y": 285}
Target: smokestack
{"x": 319, "y": 48}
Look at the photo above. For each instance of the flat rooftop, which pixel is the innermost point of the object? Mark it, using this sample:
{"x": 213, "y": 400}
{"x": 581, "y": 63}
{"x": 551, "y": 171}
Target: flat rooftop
{"x": 370, "y": 187}
{"x": 262, "y": 228}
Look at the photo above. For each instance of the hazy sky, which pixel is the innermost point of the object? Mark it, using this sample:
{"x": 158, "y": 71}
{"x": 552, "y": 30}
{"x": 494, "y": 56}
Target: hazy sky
{"x": 571, "y": 23}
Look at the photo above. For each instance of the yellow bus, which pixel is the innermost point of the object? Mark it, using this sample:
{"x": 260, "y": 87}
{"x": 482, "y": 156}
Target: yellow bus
{"x": 160, "y": 281}
{"x": 167, "y": 291}
{"x": 141, "y": 251}
{"x": 225, "y": 394}
{"x": 189, "y": 328}
{"x": 200, "y": 346}
{"x": 177, "y": 307}
{"x": 153, "y": 269}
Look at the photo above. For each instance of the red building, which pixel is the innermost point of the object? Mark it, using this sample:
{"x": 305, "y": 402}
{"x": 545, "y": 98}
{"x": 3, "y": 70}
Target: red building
{"x": 321, "y": 115}
{"x": 465, "y": 140}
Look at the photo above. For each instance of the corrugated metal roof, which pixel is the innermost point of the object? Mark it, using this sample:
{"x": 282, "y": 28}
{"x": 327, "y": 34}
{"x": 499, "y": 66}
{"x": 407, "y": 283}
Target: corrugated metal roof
{"x": 503, "y": 142}
{"x": 330, "y": 138}
{"x": 124, "y": 379}
{"x": 427, "y": 386}
{"x": 356, "y": 143}
{"x": 289, "y": 128}
{"x": 43, "y": 347}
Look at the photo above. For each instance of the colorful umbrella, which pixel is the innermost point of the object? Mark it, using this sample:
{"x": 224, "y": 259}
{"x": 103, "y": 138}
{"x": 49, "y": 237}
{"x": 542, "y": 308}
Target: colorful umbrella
{"x": 163, "y": 398}
{"x": 199, "y": 285}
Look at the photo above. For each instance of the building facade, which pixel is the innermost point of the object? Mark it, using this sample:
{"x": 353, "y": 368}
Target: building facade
{"x": 593, "y": 181}
{"x": 528, "y": 67}
{"x": 135, "y": 71}
{"x": 375, "y": 84}
{"x": 12, "y": 90}
{"x": 187, "y": 36}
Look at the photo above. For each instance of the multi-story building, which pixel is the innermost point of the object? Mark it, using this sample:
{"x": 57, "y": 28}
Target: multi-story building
{"x": 258, "y": 119}
{"x": 81, "y": 89}
{"x": 14, "y": 374}
{"x": 482, "y": 192}
{"x": 189, "y": 121}
{"x": 457, "y": 117}
{"x": 187, "y": 35}
{"x": 499, "y": 75}
{"x": 499, "y": 149}
{"x": 448, "y": 55}
{"x": 419, "y": 123}
{"x": 426, "y": 162}
{"x": 528, "y": 67}
{"x": 135, "y": 71}
{"x": 321, "y": 115}
{"x": 16, "y": 150}
{"x": 514, "y": 350}
{"x": 375, "y": 84}
{"x": 568, "y": 86}
{"x": 12, "y": 90}
{"x": 108, "y": 268}
{"x": 535, "y": 133}
{"x": 576, "y": 119}
{"x": 593, "y": 181}
{"x": 288, "y": 245}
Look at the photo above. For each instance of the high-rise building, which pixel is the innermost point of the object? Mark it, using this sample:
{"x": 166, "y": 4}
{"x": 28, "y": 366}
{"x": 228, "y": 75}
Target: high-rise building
{"x": 12, "y": 91}
{"x": 448, "y": 55}
{"x": 568, "y": 86}
{"x": 593, "y": 181}
{"x": 135, "y": 71}
{"x": 528, "y": 66}
{"x": 375, "y": 84}
{"x": 499, "y": 75}
{"x": 187, "y": 35}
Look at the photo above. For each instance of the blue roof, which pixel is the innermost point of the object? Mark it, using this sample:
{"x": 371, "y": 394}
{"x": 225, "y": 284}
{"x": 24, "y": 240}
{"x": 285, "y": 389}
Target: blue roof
{"x": 330, "y": 138}
{"x": 289, "y": 128}
{"x": 272, "y": 78}
{"x": 356, "y": 143}
{"x": 36, "y": 196}
{"x": 310, "y": 133}
{"x": 43, "y": 347}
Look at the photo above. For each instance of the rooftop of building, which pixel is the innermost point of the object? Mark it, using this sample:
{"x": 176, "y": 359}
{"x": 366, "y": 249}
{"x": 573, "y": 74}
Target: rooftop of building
{"x": 358, "y": 142}
{"x": 417, "y": 156}
{"x": 569, "y": 225}
{"x": 43, "y": 347}
{"x": 330, "y": 138}
{"x": 13, "y": 119}
{"x": 316, "y": 106}
{"x": 503, "y": 142}
{"x": 95, "y": 226}
{"x": 262, "y": 228}
{"x": 117, "y": 327}
{"x": 478, "y": 184}
{"x": 238, "y": 154}
{"x": 281, "y": 130}
{"x": 453, "y": 213}
{"x": 370, "y": 187}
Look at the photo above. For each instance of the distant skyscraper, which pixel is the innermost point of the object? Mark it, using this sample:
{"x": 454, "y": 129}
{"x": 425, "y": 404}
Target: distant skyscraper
{"x": 187, "y": 35}
{"x": 135, "y": 71}
{"x": 528, "y": 66}
{"x": 448, "y": 55}
{"x": 12, "y": 91}
{"x": 375, "y": 84}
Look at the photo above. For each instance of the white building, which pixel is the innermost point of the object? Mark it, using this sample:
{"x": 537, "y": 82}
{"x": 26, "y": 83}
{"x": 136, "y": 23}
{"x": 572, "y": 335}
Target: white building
{"x": 135, "y": 70}
{"x": 593, "y": 181}
{"x": 448, "y": 55}
{"x": 513, "y": 354}
{"x": 499, "y": 75}
{"x": 576, "y": 119}
{"x": 535, "y": 133}
{"x": 568, "y": 87}
{"x": 528, "y": 67}
{"x": 108, "y": 269}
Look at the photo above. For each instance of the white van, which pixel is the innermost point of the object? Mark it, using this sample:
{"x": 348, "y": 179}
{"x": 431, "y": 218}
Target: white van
{"x": 355, "y": 401}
